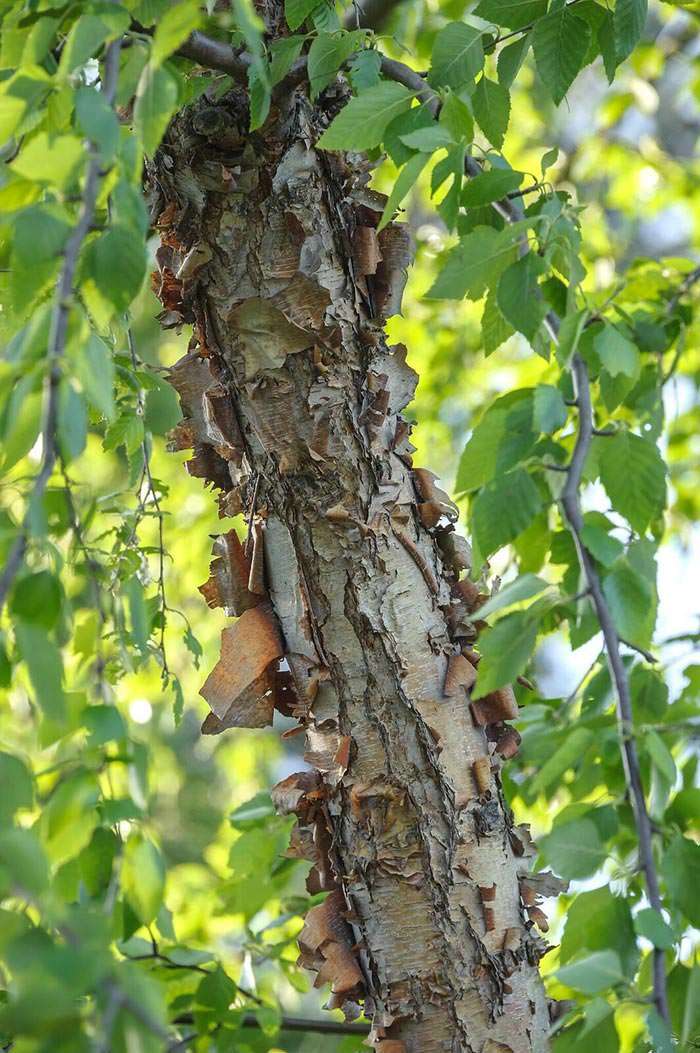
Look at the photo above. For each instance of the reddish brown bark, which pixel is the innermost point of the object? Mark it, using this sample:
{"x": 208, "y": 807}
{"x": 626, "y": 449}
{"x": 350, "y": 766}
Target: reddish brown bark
{"x": 352, "y": 568}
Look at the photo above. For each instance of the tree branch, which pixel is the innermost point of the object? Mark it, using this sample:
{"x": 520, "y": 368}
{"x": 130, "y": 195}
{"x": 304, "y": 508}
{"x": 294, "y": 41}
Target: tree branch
{"x": 625, "y": 718}
{"x": 58, "y": 331}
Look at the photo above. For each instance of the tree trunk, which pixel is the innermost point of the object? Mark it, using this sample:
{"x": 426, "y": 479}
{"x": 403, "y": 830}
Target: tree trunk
{"x": 350, "y": 575}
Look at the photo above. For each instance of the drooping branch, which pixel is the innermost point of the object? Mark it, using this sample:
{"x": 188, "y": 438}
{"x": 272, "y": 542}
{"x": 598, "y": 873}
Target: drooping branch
{"x": 630, "y": 758}
{"x": 58, "y": 332}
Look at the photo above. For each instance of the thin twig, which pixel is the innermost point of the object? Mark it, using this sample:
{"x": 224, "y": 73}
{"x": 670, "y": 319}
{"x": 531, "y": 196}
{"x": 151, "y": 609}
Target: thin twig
{"x": 58, "y": 331}
{"x": 151, "y": 492}
{"x": 630, "y": 758}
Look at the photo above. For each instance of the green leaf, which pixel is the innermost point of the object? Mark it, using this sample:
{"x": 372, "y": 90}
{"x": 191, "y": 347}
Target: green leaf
{"x": 364, "y": 69}
{"x": 511, "y": 58}
{"x": 550, "y": 413}
{"x": 88, "y": 34}
{"x": 216, "y": 991}
{"x": 405, "y": 181}
{"x": 681, "y": 869}
{"x": 17, "y": 787}
{"x": 458, "y": 56}
{"x": 104, "y": 724}
{"x": 506, "y": 649}
{"x": 327, "y": 54}
{"x": 494, "y": 328}
{"x": 650, "y": 924}
{"x": 491, "y": 102}
{"x": 115, "y": 263}
{"x": 594, "y": 973}
{"x": 503, "y": 437}
{"x": 631, "y": 600}
{"x": 428, "y": 139}
{"x": 574, "y": 849}
{"x": 68, "y": 819}
{"x": 361, "y": 124}
{"x": 456, "y": 117}
{"x": 661, "y": 756}
{"x": 297, "y": 11}
{"x": 143, "y": 877}
{"x": 45, "y": 668}
{"x": 523, "y": 588}
{"x": 569, "y": 755}
{"x": 598, "y": 921}
{"x": 519, "y": 296}
{"x": 23, "y": 859}
{"x": 51, "y": 160}
{"x": 660, "y": 1033}
{"x": 71, "y": 421}
{"x": 490, "y": 186}
{"x": 560, "y": 41}
{"x": 634, "y": 476}
{"x": 95, "y": 371}
{"x": 616, "y": 353}
{"x": 37, "y": 599}
{"x": 98, "y": 121}
{"x": 503, "y": 509}
{"x": 96, "y": 860}
{"x": 629, "y": 18}
{"x": 259, "y": 93}
{"x": 513, "y": 14}
{"x": 475, "y": 263}
{"x": 283, "y": 54}
{"x": 601, "y": 545}
{"x": 156, "y": 99}
{"x": 173, "y": 29}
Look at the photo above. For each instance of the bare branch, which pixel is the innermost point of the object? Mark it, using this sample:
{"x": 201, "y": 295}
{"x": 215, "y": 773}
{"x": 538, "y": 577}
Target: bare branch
{"x": 625, "y": 718}
{"x": 58, "y": 331}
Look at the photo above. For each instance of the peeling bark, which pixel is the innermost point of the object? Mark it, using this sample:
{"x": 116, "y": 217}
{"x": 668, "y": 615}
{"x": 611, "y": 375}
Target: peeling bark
{"x": 292, "y": 403}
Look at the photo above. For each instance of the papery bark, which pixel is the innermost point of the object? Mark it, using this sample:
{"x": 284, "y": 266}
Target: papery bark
{"x": 292, "y": 403}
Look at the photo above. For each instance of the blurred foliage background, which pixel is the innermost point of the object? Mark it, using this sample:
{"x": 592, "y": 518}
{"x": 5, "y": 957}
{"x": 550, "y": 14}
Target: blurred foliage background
{"x": 207, "y": 869}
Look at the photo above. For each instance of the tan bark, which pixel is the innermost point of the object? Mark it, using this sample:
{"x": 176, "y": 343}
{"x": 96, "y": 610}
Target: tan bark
{"x": 292, "y": 403}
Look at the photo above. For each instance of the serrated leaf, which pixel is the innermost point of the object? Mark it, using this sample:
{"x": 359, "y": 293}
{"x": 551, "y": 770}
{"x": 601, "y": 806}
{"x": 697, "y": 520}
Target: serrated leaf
{"x": 491, "y": 102}
{"x": 173, "y": 29}
{"x": 494, "y": 328}
{"x": 601, "y": 545}
{"x": 490, "y": 186}
{"x": 523, "y": 588}
{"x": 594, "y": 973}
{"x": 560, "y": 41}
{"x": 574, "y": 849}
{"x": 511, "y": 58}
{"x": 458, "y": 56}
{"x": 569, "y": 755}
{"x": 297, "y": 11}
{"x": 327, "y": 54}
{"x": 503, "y": 509}
{"x": 402, "y": 187}
{"x": 616, "y": 353}
{"x": 156, "y": 99}
{"x": 95, "y": 371}
{"x": 457, "y": 118}
{"x": 550, "y": 412}
{"x": 361, "y": 124}
{"x": 661, "y": 756}
{"x": 651, "y": 925}
{"x": 364, "y": 69}
{"x": 519, "y": 296}
{"x": 283, "y": 54}
{"x": 427, "y": 140}
{"x": 475, "y": 263}
{"x": 634, "y": 476}
{"x": 505, "y": 650}
{"x": 503, "y": 437}
{"x": 629, "y": 18}
{"x": 630, "y": 597}
{"x": 681, "y": 869}
{"x": 513, "y": 14}
{"x": 143, "y": 877}
{"x": 45, "y": 669}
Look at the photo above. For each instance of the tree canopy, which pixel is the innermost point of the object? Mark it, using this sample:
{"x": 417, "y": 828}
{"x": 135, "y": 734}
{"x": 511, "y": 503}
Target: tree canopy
{"x": 543, "y": 155}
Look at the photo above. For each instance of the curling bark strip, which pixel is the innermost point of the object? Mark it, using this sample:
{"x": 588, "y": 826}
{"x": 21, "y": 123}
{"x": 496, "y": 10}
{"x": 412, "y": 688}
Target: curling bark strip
{"x": 292, "y": 403}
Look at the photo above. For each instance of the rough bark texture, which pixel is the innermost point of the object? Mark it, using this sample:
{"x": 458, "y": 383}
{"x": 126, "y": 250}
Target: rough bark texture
{"x": 351, "y": 570}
